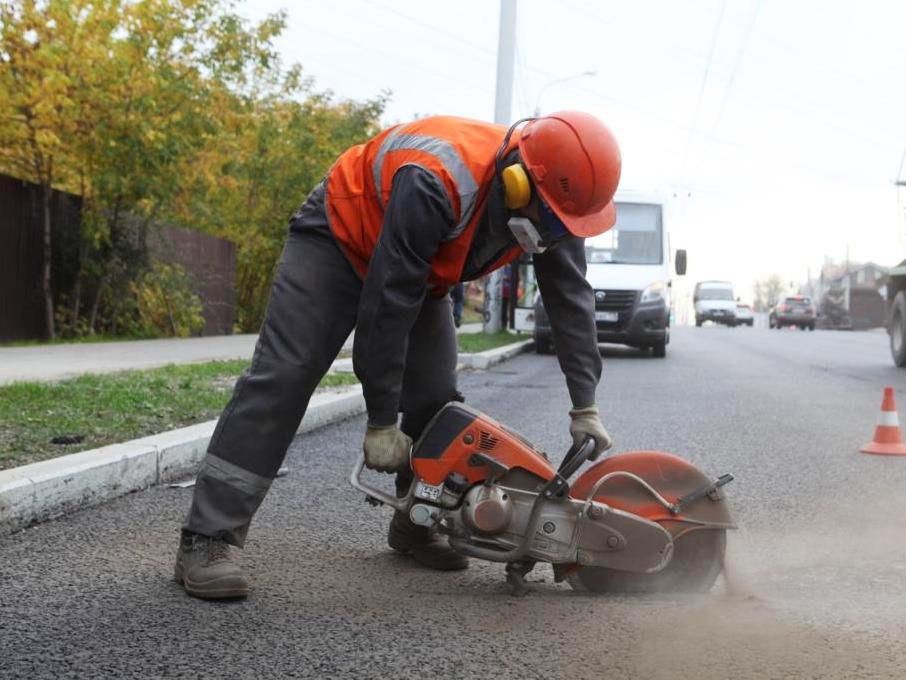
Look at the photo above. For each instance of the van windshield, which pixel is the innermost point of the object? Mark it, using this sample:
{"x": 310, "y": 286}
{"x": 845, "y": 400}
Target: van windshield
{"x": 634, "y": 239}
{"x": 715, "y": 294}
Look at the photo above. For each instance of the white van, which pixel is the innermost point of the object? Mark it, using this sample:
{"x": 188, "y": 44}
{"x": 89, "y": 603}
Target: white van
{"x": 714, "y": 301}
{"x": 629, "y": 270}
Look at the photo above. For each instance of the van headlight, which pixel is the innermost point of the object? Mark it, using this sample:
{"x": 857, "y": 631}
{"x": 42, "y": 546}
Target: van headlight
{"x": 655, "y": 292}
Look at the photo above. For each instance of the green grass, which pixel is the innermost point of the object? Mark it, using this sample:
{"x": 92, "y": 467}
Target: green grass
{"x": 479, "y": 342}
{"x": 97, "y": 410}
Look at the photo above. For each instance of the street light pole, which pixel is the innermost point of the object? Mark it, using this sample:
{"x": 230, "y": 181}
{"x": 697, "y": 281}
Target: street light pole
{"x": 506, "y": 57}
{"x": 558, "y": 81}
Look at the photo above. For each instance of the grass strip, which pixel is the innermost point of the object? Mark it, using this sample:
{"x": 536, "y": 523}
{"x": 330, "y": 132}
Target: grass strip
{"x": 45, "y": 420}
{"x": 479, "y": 342}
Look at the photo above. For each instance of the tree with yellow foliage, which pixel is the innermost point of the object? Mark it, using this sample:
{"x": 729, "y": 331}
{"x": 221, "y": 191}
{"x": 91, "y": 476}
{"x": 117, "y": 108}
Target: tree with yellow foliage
{"x": 162, "y": 109}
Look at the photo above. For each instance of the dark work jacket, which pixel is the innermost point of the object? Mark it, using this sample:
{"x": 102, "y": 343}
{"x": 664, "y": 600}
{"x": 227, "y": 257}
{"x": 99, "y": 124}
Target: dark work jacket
{"x": 417, "y": 219}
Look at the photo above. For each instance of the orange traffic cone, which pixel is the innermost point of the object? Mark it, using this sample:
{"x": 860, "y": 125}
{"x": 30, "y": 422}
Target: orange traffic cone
{"x": 888, "y": 440}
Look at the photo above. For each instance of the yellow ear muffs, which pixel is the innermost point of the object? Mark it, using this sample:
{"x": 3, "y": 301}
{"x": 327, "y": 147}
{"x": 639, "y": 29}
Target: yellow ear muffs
{"x": 517, "y": 190}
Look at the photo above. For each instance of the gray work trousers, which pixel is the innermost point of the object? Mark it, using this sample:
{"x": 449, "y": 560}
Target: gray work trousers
{"x": 311, "y": 311}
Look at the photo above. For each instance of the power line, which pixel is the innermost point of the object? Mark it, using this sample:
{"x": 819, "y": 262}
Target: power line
{"x": 701, "y": 91}
{"x": 739, "y": 57}
{"x": 786, "y": 97}
{"x": 525, "y": 68}
{"x": 437, "y": 29}
{"x": 401, "y": 60}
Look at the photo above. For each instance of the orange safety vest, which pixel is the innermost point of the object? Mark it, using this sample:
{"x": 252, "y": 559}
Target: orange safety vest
{"x": 458, "y": 151}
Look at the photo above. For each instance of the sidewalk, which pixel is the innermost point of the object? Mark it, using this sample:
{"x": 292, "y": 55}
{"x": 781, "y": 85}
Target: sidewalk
{"x": 56, "y": 362}
{"x": 50, "y": 488}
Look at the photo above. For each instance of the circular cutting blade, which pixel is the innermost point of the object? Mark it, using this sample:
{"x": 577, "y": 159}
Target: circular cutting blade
{"x": 697, "y": 561}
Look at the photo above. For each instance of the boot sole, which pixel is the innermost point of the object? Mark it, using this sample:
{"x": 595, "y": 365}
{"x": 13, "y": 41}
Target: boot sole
{"x": 408, "y": 551}
{"x": 209, "y": 589}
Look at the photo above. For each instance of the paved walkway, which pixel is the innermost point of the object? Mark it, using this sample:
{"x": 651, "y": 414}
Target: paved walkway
{"x": 55, "y": 362}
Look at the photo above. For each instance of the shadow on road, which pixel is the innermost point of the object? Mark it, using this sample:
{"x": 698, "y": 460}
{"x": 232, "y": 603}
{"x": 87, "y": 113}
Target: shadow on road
{"x": 623, "y": 352}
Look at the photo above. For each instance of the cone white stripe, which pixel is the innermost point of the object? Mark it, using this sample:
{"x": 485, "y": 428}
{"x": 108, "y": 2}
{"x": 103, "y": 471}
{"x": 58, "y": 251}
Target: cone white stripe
{"x": 889, "y": 419}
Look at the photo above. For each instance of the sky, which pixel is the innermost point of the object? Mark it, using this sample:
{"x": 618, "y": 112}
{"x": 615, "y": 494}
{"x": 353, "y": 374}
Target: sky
{"x": 776, "y": 127}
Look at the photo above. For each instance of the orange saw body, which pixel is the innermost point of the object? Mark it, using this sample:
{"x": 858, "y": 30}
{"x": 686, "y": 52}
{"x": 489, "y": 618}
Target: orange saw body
{"x": 637, "y": 521}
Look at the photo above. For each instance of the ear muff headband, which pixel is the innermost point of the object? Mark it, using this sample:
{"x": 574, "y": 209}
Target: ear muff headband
{"x": 517, "y": 189}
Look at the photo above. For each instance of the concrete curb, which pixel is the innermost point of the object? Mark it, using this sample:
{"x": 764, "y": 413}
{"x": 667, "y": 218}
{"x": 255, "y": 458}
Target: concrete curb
{"x": 52, "y": 488}
{"x": 491, "y": 357}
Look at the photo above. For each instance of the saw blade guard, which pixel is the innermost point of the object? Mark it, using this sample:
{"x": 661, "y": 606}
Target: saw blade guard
{"x": 672, "y": 492}
{"x": 669, "y": 476}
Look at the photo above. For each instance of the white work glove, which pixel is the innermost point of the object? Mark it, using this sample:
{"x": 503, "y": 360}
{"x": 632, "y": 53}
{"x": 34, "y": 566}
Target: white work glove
{"x": 386, "y": 448}
{"x": 587, "y": 423}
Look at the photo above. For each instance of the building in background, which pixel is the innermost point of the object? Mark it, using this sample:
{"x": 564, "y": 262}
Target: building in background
{"x": 849, "y": 295}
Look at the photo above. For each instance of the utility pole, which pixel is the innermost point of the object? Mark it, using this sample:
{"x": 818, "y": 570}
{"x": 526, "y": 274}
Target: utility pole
{"x": 506, "y": 56}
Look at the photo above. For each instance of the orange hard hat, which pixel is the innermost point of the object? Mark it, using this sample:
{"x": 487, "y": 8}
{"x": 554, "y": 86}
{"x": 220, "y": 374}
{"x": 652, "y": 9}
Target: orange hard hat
{"x": 574, "y": 162}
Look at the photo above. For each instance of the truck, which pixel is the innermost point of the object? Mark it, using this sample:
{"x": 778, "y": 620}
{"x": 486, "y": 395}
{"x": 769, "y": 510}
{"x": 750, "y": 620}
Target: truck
{"x": 896, "y": 313}
{"x": 629, "y": 269}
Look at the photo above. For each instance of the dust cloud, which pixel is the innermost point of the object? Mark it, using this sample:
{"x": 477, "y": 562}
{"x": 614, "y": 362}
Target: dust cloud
{"x": 821, "y": 597}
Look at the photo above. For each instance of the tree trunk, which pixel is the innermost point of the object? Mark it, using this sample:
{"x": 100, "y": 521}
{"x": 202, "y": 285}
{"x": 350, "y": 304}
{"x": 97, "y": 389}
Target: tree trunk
{"x": 76, "y": 303}
{"x": 170, "y": 316}
{"x": 48, "y": 291}
{"x": 94, "y": 307}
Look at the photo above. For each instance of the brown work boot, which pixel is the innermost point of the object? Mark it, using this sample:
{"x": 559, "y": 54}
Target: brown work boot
{"x": 205, "y": 568}
{"x": 424, "y": 544}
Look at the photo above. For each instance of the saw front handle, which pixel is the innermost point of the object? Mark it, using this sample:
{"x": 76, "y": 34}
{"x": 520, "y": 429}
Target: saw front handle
{"x": 577, "y": 454}
{"x": 401, "y": 504}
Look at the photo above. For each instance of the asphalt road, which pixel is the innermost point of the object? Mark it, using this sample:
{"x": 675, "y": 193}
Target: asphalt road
{"x": 818, "y": 566}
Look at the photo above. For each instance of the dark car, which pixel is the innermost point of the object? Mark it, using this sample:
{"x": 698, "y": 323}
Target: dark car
{"x": 793, "y": 310}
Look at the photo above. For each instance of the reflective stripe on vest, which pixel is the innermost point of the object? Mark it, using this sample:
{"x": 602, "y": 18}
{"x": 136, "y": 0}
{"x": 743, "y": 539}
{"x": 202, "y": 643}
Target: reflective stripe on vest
{"x": 444, "y": 152}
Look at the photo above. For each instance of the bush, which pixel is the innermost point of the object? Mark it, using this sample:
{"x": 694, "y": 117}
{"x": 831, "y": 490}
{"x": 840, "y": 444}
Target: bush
{"x": 166, "y": 303}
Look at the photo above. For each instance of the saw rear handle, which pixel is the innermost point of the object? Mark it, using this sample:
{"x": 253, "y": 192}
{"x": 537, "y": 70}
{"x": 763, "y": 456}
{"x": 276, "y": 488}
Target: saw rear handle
{"x": 401, "y": 504}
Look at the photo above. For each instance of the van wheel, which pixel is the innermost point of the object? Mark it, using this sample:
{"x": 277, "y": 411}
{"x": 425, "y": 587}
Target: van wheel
{"x": 659, "y": 349}
{"x": 543, "y": 346}
{"x": 698, "y": 322}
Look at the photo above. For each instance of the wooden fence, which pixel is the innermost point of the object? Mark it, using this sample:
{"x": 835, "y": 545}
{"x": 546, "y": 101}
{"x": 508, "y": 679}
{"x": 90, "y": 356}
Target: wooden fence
{"x": 210, "y": 261}
{"x": 22, "y": 255}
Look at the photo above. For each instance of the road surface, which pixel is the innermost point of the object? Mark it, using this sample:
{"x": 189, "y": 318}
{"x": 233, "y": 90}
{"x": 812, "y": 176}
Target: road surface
{"x": 818, "y": 566}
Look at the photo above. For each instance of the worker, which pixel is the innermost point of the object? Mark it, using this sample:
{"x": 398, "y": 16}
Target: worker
{"x": 376, "y": 247}
{"x": 458, "y": 296}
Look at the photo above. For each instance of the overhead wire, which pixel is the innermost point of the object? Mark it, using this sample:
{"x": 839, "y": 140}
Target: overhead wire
{"x": 701, "y": 91}
{"x": 437, "y": 29}
{"x": 786, "y": 96}
{"x": 406, "y": 62}
{"x": 525, "y": 68}
{"x": 739, "y": 57}
{"x": 740, "y": 54}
